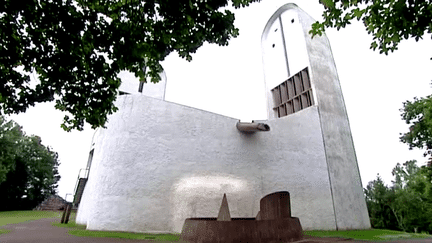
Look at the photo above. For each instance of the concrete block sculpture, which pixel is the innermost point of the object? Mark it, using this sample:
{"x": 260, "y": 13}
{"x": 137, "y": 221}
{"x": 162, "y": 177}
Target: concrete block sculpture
{"x": 275, "y": 224}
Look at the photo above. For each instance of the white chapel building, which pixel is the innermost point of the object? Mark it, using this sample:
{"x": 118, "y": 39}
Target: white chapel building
{"x": 158, "y": 163}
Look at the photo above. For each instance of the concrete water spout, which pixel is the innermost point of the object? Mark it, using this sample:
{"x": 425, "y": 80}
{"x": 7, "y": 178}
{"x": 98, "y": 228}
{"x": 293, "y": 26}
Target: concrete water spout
{"x": 252, "y": 127}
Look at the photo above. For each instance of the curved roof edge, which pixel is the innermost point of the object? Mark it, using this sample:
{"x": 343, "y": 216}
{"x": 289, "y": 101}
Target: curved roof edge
{"x": 278, "y": 12}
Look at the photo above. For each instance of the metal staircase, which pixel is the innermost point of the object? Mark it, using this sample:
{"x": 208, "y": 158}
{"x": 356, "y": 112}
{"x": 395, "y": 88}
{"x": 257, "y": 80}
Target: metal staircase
{"x": 80, "y": 185}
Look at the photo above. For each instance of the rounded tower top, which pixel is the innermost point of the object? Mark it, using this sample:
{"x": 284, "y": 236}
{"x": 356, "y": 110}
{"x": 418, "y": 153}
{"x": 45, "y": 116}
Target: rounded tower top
{"x": 285, "y": 58}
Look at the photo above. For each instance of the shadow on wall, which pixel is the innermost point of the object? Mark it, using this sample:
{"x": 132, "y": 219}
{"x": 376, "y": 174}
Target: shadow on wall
{"x": 200, "y": 195}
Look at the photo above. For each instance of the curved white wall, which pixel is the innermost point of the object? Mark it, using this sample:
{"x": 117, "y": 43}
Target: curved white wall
{"x": 158, "y": 163}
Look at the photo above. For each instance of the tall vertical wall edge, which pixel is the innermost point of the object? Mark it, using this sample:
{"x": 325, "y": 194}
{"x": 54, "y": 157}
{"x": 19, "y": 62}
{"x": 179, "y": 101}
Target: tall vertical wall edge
{"x": 342, "y": 165}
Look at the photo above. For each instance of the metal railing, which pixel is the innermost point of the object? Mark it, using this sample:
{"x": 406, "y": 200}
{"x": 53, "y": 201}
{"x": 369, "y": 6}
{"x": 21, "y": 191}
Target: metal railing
{"x": 83, "y": 173}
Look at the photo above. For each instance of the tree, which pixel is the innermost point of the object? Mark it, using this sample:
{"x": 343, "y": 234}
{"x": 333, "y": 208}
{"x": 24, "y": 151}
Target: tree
{"x": 405, "y": 198}
{"x": 412, "y": 204}
{"x": 378, "y": 200}
{"x": 388, "y": 21}
{"x": 10, "y": 135}
{"x": 418, "y": 114}
{"x": 407, "y": 204}
{"x": 77, "y": 47}
{"x": 32, "y": 177}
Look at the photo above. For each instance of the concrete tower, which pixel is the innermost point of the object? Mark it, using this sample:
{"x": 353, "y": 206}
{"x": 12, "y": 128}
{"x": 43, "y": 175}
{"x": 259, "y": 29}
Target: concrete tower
{"x": 158, "y": 163}
{"x": 300, "y": 73}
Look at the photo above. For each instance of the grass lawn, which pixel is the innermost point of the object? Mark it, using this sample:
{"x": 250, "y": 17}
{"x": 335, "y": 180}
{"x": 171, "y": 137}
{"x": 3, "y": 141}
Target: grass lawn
{"x": 79, "y": 230}
{"x": 372, "y": 234}
{"x": 14, "y": 217}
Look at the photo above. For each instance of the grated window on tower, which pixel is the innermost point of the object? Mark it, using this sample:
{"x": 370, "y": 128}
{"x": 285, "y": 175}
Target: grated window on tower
{"x": 293, "y": 95}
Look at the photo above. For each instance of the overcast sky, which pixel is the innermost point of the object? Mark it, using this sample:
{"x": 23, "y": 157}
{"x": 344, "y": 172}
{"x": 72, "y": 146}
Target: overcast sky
{"x": 230, "y": 81}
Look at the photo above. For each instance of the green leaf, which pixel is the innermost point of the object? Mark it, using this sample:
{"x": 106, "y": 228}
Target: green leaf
{"x": 68, "y": 44}
{"x": 386, "y": 21}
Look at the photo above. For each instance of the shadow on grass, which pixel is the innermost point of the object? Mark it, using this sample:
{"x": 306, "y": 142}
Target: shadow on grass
{"x": 372, "y": 234}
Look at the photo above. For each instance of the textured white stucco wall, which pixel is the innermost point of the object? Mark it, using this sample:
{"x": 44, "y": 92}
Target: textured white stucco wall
{"x": 345, "y": 181}
{"x": 158, "y": 163}
{"x": 349, "y": 202}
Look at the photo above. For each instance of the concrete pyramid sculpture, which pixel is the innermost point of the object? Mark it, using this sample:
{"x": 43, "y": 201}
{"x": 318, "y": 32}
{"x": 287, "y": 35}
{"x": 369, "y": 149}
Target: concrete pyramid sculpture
{"x": 258, "y": 216}
{"x": 224, "y": 214}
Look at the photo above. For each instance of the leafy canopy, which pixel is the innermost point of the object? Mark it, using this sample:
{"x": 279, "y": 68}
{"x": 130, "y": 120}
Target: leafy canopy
{"x": 389, "y": 21}
{"x": 77, "y": 48}
{"x": 418, "y": 114}
{"x": 28, "y": 169}
{"x": 378, "y": 197}
{"x": 406, "y": 205}
{"x": 10, "y": 135}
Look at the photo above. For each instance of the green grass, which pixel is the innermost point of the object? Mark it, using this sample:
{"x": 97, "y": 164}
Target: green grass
{"x": 125, "y": 235}
{"x": 15, "y": 217}
{"x": 372, "y": 234}
{"x": 71, "y": 225}
{"x": 79, "y": 230}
